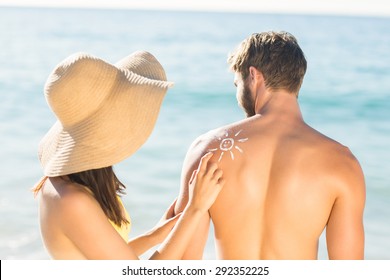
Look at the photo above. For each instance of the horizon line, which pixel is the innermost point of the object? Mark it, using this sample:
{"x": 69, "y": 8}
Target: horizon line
{"x": 305, "y": 7}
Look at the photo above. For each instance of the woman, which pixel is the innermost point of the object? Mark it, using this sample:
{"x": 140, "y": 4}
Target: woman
{"x": 105, "y": 113}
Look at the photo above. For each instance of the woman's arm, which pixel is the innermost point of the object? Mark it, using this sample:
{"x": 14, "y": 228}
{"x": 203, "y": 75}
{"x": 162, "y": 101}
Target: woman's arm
{"x": 205, "y": 185}
{"x": 86, "y": 226}
{"x": 156, "y": 235}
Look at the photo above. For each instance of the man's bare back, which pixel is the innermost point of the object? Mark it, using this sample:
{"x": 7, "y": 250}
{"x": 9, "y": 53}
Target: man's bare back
{"x": 285, "y": 183}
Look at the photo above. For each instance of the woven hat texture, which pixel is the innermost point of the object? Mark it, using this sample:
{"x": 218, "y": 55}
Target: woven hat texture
{"x": 105, "y": 112}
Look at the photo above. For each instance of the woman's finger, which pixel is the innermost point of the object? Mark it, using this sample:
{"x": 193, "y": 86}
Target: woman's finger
{"x": 217, "y": 174}
{"x": 211, "y": 169}
{"x": 221, "y": 182}
{"x": 193, "y": 176}
{"x": 203, "y": 162}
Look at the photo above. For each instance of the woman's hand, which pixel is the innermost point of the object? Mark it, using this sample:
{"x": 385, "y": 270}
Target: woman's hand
{"x": 205, "y": 184}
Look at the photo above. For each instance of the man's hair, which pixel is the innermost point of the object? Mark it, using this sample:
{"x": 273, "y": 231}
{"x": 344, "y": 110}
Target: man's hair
{"x": 276, "y": 55}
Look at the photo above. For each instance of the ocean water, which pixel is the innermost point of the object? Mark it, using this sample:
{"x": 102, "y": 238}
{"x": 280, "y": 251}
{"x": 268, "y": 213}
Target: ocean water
{"x": 346, "y": 95}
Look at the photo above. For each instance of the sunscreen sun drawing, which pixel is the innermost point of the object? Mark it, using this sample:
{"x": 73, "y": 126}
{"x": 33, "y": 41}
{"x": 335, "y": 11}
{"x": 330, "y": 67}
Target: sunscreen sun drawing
{"x": 228, "y": 144}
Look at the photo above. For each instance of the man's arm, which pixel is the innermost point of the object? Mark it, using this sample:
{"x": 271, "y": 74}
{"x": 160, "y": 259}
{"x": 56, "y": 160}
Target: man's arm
{"x": 345, "y": 231}
{"x": 199, "y": 238}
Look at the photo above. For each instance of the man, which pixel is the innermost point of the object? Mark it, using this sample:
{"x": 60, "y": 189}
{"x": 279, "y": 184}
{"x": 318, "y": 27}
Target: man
{"x": 285, "y": 181}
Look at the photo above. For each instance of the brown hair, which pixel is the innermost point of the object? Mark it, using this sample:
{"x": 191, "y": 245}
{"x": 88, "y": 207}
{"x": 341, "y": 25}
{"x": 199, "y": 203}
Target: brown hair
{"x": 105, "y": 186}
{"x": 276, "y": 54}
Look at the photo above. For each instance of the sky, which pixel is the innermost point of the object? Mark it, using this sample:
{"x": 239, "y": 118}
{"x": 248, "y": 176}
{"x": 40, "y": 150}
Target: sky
{"x": 336, "y": 7}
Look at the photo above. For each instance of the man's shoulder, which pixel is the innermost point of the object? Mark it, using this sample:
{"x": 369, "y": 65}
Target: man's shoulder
{"x": 324, "y": 144}
{"x": 341, "y": 164}
{"x": 330, "y": 150}
{"x": 212, "y": 136}
{"x": 219, "y": 138}
{"x": 334, "y": 148}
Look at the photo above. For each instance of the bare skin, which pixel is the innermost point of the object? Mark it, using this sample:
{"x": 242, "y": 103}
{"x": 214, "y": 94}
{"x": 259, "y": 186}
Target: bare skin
{"x": 286, "y": 184}
{"x": 74, "y": 226}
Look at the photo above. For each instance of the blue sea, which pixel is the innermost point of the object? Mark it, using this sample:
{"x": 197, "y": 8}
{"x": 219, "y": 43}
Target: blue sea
{"x": 346, "y": 95}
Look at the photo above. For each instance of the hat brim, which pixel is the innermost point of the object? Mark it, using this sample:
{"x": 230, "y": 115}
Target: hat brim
{"x": 117, "y": 129}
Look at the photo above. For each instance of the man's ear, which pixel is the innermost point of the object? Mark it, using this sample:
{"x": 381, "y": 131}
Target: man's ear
{"x": 252, "y": 72}
{"x": 255, "y": 75}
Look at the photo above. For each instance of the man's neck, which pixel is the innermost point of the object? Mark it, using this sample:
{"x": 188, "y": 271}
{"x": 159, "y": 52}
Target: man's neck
{"x": 279, "y": 103}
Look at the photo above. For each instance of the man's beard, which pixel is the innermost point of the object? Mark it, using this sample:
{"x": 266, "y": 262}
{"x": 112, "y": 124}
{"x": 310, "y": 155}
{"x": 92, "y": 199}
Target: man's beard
{"x": 247, "y": 103}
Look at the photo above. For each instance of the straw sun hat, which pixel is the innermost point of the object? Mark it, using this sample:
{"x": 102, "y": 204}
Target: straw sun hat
{"x": 105, "y": 112}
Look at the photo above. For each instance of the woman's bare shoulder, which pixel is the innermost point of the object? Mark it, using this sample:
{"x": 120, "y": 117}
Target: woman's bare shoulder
{"x": 68, "y": 198}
